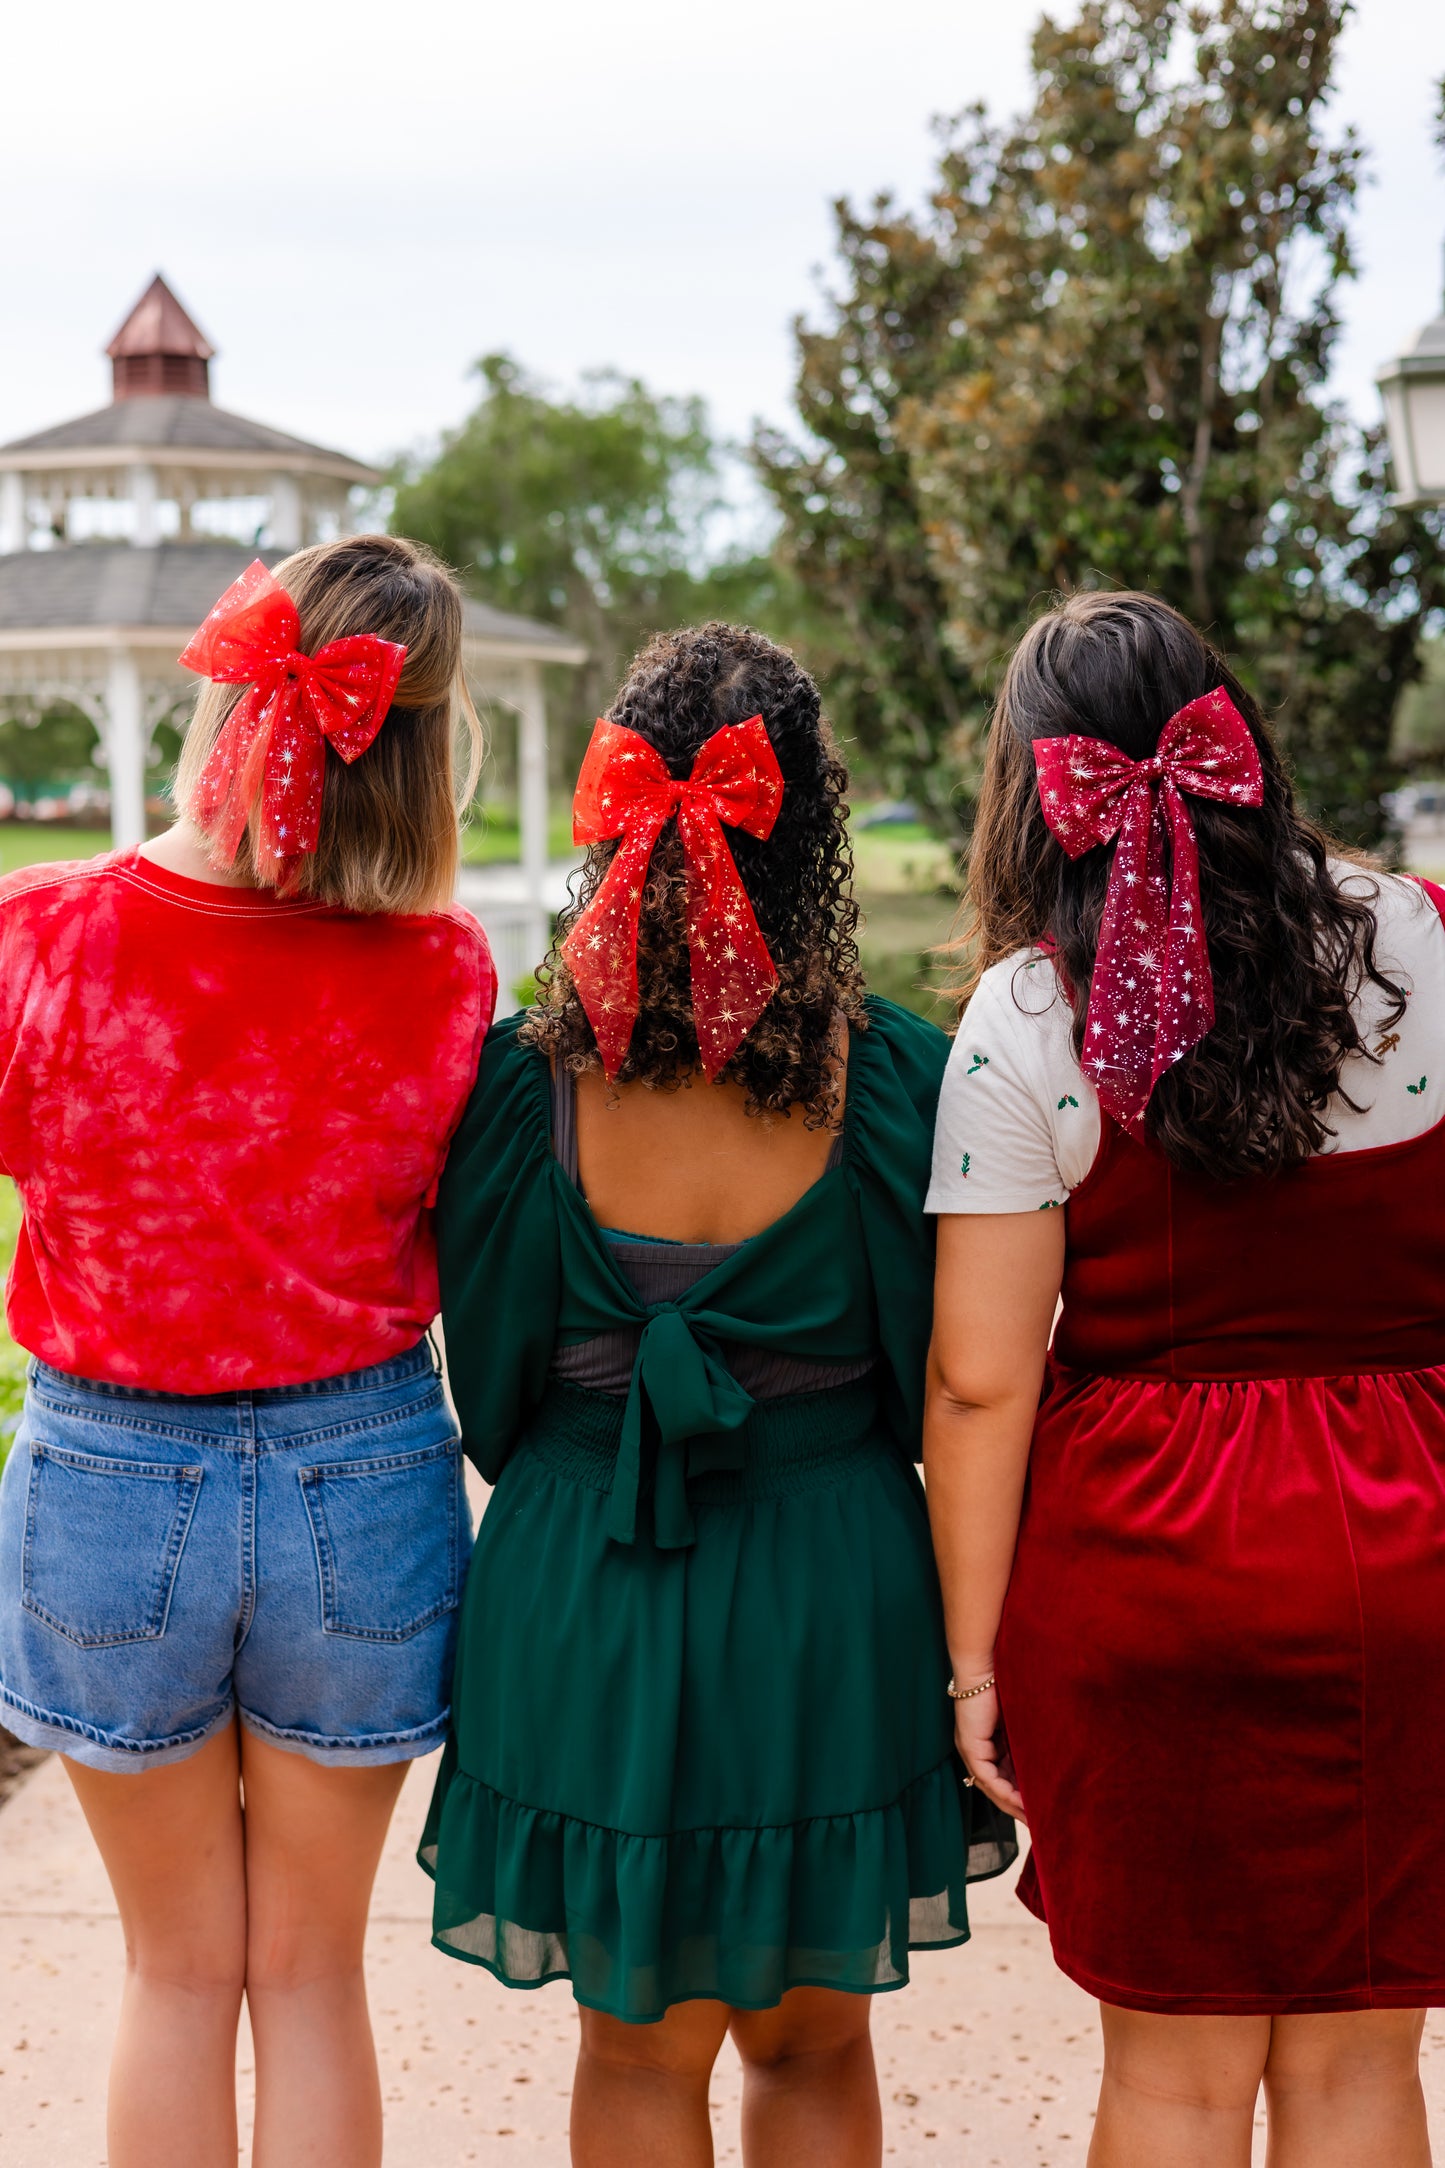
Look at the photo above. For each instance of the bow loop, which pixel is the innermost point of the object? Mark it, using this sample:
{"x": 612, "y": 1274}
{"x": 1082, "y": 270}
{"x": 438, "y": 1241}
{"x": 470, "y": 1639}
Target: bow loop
{"x": 1152, "y": 995}
{"x": 696, "y": 1409}
{"x": 626, "y": 791}
{"x": 272, "y": 745}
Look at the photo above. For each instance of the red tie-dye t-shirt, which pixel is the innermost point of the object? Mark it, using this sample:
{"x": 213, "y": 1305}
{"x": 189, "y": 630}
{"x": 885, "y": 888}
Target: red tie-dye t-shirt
{"x": 226, "y": 1115}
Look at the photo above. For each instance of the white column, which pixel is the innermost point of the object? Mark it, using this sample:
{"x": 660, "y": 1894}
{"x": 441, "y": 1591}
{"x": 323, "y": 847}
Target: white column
{"x": 125, "y": 751}
{"x": 532, "y": 804}
{"x": 285, "y": 520}
{"x": 12, "y": 514}
{"x": 143, "y": 497}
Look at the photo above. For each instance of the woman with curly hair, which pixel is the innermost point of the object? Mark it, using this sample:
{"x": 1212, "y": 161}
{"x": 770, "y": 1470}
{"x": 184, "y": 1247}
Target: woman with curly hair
{"x": 701, "y": 1764}
{"x": 1196, "y": 1592}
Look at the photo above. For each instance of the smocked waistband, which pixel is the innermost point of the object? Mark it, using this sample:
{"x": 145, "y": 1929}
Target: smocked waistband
{"x": 800, "y": 1442}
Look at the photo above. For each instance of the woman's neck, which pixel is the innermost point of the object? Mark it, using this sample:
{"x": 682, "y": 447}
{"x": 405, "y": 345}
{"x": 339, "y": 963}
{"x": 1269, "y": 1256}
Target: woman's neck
{"x": 183, "y": 850}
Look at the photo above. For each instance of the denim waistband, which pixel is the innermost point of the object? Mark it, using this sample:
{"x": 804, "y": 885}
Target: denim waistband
{"x": 324, "y": 1402}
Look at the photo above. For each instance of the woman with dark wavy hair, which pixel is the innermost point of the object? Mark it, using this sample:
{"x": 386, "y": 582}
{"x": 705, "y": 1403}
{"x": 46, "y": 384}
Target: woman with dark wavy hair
{"x": 1193, "y": 1553}
{"x": 701, "y": 1764}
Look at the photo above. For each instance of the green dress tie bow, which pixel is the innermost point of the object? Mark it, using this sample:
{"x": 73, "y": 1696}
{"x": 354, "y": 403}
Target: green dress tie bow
{"x": 697, "y": 1410}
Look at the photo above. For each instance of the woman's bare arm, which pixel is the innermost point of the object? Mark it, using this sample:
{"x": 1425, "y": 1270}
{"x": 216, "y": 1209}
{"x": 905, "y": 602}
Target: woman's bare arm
{"x": 996, "y": 1291}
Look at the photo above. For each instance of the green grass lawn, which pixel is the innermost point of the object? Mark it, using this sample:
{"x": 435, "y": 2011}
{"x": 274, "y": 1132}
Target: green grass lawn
{"x": 491, "y": 836}
{"x": 35, "y": 843}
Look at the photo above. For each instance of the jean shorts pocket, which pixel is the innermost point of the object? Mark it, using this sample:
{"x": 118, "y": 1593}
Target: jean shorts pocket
{"x": 103, "y": 1542}
{"x": 386, "y": 1533}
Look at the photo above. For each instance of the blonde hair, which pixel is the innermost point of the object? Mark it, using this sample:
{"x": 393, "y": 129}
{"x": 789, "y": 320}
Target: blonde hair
{"x": 389, "y": 822}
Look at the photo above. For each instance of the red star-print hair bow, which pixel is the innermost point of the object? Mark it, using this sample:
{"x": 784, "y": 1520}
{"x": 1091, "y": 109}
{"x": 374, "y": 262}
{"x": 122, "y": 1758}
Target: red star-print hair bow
{"x": 1152, "y": 994}
{"x": 625, "y": 790}
{"x": 273, "y": 743}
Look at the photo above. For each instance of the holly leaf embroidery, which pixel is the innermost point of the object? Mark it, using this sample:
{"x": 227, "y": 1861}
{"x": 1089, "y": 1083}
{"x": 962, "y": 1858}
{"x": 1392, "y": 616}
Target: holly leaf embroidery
{"x": 967, "y": 1162}
{"x": 980, "y": 1061}
{"x": 1068, "y": 1100}
{"x": 1415, "y": 1089}
{"x": 1051, "y": 1204}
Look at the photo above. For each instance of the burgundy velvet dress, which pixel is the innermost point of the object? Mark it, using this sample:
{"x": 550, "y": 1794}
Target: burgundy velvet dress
{"x": 1222, "y": 1659}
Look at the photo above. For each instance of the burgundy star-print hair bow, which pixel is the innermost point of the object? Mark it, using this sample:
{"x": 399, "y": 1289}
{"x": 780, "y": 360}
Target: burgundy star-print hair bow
{"x": 273, "y": 743}
{"x": 625, "y": 790}
{"x": 1152, "y": 995}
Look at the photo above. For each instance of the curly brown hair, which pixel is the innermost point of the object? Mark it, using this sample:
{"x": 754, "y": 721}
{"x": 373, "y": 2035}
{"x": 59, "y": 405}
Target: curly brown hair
{"x": 682, "y": 687}
{"x": 1288, "y": 948}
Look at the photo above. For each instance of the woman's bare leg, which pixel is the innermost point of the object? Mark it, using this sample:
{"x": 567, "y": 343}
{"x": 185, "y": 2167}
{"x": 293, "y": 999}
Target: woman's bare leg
{"x": 640, "y": 2095}
{"x": 1344, "y": 2091}
{"x": 810, "y": 2089}
{"x": 313, "y": 1842}
{"x": 171, "y": 1842}
{"x": 1178, "y": 2092}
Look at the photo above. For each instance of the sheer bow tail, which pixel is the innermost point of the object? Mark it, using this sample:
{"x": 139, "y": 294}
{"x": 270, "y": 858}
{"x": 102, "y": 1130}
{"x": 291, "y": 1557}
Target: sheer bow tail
{"x": 626, "y": 790}
{"x": 272, "y": 746}
{"x": 1151, "y": 998}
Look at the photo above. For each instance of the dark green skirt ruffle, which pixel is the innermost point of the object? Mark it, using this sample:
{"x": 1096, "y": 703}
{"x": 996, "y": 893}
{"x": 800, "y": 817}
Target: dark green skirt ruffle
{"x": 724, "y": 1771}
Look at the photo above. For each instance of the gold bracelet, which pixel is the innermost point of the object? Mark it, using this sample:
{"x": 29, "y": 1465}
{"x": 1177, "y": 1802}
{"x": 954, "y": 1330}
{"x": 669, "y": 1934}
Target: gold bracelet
{"x": 970, "y": 1693}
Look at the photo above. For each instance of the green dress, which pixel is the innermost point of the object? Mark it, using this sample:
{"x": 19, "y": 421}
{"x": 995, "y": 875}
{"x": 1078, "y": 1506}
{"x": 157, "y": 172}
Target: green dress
{"x": 701, "y": 1744}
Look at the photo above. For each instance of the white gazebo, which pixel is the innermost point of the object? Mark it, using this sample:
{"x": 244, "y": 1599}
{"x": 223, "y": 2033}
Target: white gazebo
{"x": 118, "y": 531}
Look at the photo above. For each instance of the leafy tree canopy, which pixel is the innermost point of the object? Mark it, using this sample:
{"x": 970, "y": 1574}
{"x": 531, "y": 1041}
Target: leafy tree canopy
{"x": 593, "y": 512}
{"x": 1098, "y": 357}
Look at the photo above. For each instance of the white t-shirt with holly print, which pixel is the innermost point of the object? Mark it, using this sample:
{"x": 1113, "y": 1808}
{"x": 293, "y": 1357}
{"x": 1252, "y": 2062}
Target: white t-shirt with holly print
{"x": 1018, "y": 1122}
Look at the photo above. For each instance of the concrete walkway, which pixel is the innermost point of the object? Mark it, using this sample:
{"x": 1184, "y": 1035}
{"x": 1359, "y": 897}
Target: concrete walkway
{"x": 988, "y": 2061}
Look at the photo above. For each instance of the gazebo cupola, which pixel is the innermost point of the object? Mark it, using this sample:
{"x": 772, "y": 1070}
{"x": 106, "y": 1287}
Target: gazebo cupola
{"x": 158, "y": 349}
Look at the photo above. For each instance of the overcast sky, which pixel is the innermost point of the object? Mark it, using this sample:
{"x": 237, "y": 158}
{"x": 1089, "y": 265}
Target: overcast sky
{"x": 356, "y": 201}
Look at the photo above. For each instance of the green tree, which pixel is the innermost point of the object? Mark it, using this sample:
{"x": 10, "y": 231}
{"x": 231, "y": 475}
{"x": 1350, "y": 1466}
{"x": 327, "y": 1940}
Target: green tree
{"x": 47, "y": 745}
{"x": 592, "y": 512}
{"x": 871, "y": 611}
{"x": 1118, "y": 316}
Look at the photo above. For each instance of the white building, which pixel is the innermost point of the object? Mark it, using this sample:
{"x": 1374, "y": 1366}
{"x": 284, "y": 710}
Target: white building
{"x": 119, "y": 530}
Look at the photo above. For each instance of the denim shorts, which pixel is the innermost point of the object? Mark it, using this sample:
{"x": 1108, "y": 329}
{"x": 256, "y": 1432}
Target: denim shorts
{"x": 292, "y": 1557}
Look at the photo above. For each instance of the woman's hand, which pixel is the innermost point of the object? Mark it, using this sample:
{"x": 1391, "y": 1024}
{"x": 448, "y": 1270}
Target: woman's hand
{"x": 979, "y": 1734}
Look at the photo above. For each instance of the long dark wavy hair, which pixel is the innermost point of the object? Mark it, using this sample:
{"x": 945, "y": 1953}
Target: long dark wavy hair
{"x": 1289, "y": 949}
{"x": 681, "y": 688}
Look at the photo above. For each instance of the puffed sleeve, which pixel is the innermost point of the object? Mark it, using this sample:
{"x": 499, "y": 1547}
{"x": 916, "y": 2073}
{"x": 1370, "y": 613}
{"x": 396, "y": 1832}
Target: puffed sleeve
{"x": 498, "y": 1250}
{"x": 895, "y": 1069}
{"x": 1018, "y": 1125}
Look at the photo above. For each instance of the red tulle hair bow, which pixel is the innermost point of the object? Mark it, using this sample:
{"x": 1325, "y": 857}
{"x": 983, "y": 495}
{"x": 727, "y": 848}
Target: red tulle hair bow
{"x": 273, "y": 743}
{"x": 625, "y": 790}
{"x": 1152, "y": 994}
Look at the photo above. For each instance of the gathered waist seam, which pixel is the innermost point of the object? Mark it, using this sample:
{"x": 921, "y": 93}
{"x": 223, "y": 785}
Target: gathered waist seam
{"x": 803, "y": 1441}
{"x": 1071, "y": 1374}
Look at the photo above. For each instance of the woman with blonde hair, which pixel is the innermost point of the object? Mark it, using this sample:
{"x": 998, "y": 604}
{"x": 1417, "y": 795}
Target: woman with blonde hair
{"x": 232, "y": 1526}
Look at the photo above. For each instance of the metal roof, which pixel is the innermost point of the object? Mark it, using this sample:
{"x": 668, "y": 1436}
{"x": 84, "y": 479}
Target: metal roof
{"x": 175, "y": 423}
{"x": 114, "y": 583}
{"x": 159, "y": 325}
{"x": 481, "y": 622}
{"x": 115, "y": 586}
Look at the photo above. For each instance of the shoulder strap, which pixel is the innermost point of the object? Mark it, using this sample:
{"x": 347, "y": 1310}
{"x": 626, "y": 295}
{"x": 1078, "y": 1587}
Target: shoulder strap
{"x": 564, "y": 1120}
